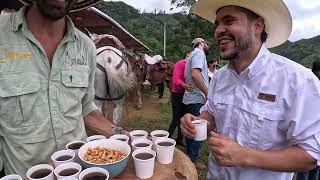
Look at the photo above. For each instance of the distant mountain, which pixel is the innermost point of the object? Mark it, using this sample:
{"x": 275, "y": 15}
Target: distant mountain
{"x": 182, "y": 28}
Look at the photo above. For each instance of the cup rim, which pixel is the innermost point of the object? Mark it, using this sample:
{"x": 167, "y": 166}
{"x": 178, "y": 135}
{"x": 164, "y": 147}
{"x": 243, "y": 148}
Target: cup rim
{"x": 145, "y": 133}
{"x": 200, "y": 122}
{"x": 59, "y": 168}
{"x": 37, "y": 167}
{"x": 72, "y": 143}
{"x": 144, "y": 149}
{"x": 63, "y": 150}
{"x": 164, "y": 139}
{"x": 134, "y": 142}
{"x": 155, "y": 132}
{"x": 11, "y": 176}
{"x": 98, "y": 137}
{"x": 85, "y": 172}
{"x": 120, "y": 135}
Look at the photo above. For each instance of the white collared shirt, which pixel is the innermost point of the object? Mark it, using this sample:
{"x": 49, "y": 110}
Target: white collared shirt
{"x": 271, "y": 105}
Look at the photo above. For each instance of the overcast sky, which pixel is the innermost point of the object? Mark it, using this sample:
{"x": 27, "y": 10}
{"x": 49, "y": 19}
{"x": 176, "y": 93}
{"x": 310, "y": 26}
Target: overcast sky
{"x": 305, "y": 13}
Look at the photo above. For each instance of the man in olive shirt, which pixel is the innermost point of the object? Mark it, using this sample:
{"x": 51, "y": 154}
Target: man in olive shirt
{"x": 47, "y": 71}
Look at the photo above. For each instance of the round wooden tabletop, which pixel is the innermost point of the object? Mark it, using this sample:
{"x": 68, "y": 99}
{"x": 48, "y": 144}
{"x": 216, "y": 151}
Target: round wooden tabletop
{"x": 181, "y": 168}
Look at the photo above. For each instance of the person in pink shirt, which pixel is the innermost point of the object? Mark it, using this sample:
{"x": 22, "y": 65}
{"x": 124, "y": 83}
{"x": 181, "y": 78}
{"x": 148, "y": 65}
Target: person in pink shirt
{"x": 178, "y": 88}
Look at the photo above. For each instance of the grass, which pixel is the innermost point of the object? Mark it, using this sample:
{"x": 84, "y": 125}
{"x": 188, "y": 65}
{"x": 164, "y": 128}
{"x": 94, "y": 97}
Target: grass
{"x": 161, "y": 120}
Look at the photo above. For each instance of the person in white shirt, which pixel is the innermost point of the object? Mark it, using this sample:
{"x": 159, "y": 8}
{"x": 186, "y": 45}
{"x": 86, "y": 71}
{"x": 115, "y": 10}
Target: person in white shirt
{"x": 212, "y": 68}
{"x": 262, "y": 108}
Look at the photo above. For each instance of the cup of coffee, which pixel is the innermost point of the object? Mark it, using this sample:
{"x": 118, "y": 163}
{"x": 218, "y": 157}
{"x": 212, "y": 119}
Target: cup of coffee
{"x": 75, "y": 146}
{"x": 95, "y": 137}
{"x": 94, "y": 173}
{"x": 201, "y": 129}
{"x": 11, "y": 177}
{"x": 138, "y": 134}
{"x": 40, "y": 172}
{"x": 141, "y": 143}
{"x": 65, "y": 170}
{"x": 144, "y": 162}
{"x": 62, "y": 156}
{"x": 120, "y": 137}
{"x": 158, "y": 134}
{"x": 165, "y": 150}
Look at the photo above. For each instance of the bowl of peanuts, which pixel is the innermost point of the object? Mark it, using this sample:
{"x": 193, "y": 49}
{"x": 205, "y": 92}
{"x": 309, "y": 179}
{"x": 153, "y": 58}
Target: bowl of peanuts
{"x": 110, "y": 154}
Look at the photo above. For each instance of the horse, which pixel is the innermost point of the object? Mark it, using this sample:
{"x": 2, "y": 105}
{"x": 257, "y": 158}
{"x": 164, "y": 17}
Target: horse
{"x": 151, "y": 71}
{"x": 114, "y": 76}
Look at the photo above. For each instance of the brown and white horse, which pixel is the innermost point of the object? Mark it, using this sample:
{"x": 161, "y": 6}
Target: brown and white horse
{"x": 114, "y": 77}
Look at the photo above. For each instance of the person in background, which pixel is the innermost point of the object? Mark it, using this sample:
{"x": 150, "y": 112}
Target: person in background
{"x": 212, "y": 68}
{"x": 314, "y": 173}
{"x": 177, "y": 91}
{"x": 196, "y": 74}
{"x": 263, "y": 109}
{"x": 46, "y": 84}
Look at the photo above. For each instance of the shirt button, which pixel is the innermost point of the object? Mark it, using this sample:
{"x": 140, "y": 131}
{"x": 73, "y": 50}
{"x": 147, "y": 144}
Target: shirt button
{"x": 19, "y": 89}
{"x": 54, "y": 112}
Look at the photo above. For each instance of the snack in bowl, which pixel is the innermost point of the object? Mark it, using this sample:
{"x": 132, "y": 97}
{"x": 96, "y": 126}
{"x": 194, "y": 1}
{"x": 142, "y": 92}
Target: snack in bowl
{"x": 102, "y": 155}
{"x": 114, "y": 168}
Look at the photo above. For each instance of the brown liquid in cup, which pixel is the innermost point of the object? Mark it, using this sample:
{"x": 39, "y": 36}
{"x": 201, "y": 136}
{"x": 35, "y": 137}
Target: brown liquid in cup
{"x": 41, "y": 173}
{"x": 95, "y": 176}
{"x": 122, "y": 139}
{"x": 138, "y": 135}
{"x": 143, "y": 156}
{"x": 68, "y": 172}
{"x": 159, "y": 135}
{"x": 64, "y": 158}
{"x": 165, "y": 144}
{"x": 75, "y": 146}
{"x": 141, "y": 145}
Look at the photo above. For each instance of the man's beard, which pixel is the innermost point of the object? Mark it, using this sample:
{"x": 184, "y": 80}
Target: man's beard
{"x": 241, "y": 44}
{"x": 53, "y": 13}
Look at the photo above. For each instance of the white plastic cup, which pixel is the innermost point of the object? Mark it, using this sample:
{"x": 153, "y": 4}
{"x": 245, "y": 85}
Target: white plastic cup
{"x": 55, "y": 157}
{"x": 135, "y": 144}
{"x": 138, "y": 134}
{"x": 165, "y": 152}
{"x": 201, "y": 129}
{"x": 93, "y": 170}
{"x": 42, "y": 168}
{"x": 11, "y": 177}
{"x": 159, "y": 134}
{"x": 63, "y": 167}
{"x": 73, "y": 146}
{"x": 121, "y": 137}
{"x": 95, "y": 137}
{"x": 144, "y": 168}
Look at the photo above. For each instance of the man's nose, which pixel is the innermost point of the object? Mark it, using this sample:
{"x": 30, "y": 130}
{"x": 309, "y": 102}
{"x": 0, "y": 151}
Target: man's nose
{"x": 219, "y": 29}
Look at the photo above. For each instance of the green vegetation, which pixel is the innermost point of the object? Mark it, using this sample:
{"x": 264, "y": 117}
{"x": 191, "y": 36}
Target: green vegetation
{"x": 183, "y": 28}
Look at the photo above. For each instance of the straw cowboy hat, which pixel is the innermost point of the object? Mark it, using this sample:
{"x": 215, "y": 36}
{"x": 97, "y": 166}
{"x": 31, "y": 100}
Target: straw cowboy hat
{"x": 81, "y": 4}
{"x": 276, "y": 15}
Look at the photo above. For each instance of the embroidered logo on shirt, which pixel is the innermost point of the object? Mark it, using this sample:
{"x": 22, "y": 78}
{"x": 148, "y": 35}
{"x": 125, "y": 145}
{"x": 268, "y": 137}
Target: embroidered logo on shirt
{"x": 6, "y": 55}
{"x": 267, "y": 97}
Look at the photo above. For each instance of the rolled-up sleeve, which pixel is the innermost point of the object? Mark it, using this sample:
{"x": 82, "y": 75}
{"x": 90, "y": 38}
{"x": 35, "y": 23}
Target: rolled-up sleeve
{"x": 304, "y": 116}
{"x": 88, "y": 104}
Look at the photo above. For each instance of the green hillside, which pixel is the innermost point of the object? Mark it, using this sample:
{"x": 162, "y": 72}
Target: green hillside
{"x": 182, "y": 28}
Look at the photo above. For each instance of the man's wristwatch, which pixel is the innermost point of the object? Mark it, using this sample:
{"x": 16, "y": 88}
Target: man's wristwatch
{"x": 117, "y": 130}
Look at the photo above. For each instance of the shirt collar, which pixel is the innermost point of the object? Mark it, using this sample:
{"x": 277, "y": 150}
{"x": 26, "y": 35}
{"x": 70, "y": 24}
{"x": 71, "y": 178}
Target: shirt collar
{"x": 18, "y": 23}
{"x": 257, "y": 64}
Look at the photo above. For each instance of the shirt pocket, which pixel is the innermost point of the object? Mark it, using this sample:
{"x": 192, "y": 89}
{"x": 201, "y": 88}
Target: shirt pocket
{"x": 75, "y": 83}
{"x": 17, "y": 92}
{"x": 262, "y": 121}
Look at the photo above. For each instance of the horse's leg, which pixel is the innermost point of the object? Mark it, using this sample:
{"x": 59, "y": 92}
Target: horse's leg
{"x": 117, "y": 110}
{"x": 100, "y": 105}
{"x": 139, "y": 95}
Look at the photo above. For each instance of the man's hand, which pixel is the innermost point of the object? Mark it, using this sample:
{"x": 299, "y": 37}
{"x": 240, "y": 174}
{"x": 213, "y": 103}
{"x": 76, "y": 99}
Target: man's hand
{"x": 187, "y": 128}
{"x": 187, "y": 87}
{"x": 226, "y": 151}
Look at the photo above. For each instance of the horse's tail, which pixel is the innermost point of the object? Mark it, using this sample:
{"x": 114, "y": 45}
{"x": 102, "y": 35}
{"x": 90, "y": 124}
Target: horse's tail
{"x": 119, "y": 84}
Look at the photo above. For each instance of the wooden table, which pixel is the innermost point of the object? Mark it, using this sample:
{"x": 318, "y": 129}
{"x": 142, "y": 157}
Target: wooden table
{"x": 181, "y": 168}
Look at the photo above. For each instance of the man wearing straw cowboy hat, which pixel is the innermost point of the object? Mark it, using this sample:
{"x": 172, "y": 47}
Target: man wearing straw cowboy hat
{"x": 262, "y": 107}
{"x": 46, "y": 83}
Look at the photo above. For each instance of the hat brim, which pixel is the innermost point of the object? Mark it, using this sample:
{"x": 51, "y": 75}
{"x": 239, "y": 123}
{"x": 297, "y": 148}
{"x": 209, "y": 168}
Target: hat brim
{"x": 80, "y": 5}
{"x": 276, "y": 15}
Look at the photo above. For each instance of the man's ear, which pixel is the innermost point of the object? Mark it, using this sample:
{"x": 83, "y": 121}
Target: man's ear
{"x": 259, "y": 25}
